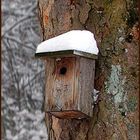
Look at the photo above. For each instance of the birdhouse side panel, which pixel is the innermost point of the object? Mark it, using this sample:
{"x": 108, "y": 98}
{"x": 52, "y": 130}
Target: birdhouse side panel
{"x": 86, "y": 85}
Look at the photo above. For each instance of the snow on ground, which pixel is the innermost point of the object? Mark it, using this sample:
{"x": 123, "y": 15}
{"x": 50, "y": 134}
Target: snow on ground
{"x": 81, "y": 40}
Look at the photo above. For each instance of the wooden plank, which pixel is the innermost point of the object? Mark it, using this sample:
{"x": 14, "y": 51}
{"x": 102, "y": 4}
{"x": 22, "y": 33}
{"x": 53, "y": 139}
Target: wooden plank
{"x": 64, "y": 83}
{"x": 59, "y": 86}
{"x": 86, "y": 85}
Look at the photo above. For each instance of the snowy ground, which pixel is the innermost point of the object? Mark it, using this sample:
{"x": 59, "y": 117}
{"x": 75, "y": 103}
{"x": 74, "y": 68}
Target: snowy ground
{"x": 22, "y": 75}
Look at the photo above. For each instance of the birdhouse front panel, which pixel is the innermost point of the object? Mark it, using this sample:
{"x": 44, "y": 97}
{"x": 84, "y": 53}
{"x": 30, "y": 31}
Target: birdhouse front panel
{"x": 86, "y": 85}
{"x": 60, "y": 84}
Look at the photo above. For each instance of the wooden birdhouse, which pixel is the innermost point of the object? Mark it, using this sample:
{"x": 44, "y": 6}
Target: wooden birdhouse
{"x": 70, "y": 67}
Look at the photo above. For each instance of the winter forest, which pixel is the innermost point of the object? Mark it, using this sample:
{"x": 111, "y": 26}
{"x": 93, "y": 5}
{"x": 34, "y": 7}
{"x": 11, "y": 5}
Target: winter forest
{"x": 22, "y": 91}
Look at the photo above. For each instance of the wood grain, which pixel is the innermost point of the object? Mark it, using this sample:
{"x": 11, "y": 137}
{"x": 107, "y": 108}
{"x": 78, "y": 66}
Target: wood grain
{"x": 69, "y": 94}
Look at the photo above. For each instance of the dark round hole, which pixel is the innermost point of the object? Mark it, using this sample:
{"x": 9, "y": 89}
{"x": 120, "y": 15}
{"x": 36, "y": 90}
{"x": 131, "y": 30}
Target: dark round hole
{"x": 63, "y": 70}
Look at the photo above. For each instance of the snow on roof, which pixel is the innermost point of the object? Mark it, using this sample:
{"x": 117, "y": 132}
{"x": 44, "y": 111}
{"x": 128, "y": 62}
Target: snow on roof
{"x": 80, "y": 40}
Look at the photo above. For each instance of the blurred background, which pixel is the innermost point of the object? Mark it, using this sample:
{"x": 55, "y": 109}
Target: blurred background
{"x": 22, "y": 75}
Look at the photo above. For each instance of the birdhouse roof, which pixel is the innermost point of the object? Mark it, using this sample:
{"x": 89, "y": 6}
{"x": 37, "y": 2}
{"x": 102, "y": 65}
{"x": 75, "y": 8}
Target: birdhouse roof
{"x": 75, "y": 42}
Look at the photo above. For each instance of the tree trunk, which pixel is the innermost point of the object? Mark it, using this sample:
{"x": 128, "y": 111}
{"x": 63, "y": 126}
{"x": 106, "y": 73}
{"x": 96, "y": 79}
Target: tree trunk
{"x": 114, "y": 24}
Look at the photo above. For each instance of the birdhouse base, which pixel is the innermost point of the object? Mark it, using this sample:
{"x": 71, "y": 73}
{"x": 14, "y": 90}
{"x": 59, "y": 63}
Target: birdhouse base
{"x": 71, "y": 114}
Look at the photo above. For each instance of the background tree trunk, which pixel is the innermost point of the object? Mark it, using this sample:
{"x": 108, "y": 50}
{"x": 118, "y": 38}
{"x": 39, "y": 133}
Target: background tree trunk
{"x": 115, "y": 26}
{"x": 21, "y": 88}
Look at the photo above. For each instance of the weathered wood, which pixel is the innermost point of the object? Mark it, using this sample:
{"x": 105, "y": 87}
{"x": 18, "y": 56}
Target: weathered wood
{"x": 86, "y": 85}
{"x": 60, "y": 85}
{"x": 69, "y": 87}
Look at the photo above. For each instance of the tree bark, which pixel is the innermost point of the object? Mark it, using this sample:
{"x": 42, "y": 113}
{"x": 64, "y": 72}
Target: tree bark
{"x": 114, "y": 24}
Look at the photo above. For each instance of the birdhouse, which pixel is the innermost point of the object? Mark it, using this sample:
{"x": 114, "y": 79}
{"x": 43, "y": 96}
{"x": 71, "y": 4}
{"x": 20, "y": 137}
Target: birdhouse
{"x": 70, "y": 67}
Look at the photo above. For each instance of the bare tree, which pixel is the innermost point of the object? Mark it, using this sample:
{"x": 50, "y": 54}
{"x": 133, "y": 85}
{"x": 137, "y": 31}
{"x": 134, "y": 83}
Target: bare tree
{"x": 22, "y": 89}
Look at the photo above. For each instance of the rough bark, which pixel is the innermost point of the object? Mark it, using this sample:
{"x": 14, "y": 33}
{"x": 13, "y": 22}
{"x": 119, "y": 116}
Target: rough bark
{"x": 114, "y": 24}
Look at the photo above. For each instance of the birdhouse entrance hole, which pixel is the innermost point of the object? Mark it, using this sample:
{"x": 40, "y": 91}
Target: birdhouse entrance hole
{"x": 63, "y": 70}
